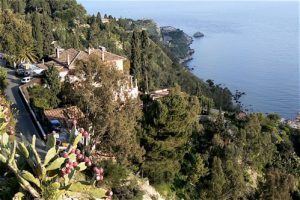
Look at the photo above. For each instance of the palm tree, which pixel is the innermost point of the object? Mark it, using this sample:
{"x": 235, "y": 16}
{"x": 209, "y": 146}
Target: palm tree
{"x": 27, "y": 54}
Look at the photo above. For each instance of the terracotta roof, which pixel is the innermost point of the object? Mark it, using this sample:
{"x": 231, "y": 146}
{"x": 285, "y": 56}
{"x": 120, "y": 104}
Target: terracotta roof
{"x": 46, "y": 65}
{"x": 63, "y": 56}
{"x": 64, "y": 115}
{"x": 98, "y": 52}
{"x": 82, "y": 55}
{"x": 159, "y": 93}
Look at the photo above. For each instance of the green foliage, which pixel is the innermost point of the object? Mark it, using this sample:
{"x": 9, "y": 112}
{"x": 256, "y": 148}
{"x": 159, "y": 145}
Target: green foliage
{"x": 86, "y": 190}
{"x": 135, "y": 68}
{"x": 41, "y": 97}
{"x": 15, "y": 39}
{"x": 169, "y": 124}
{"x": 37, "y": 33}
{"x": 46, "y": 97}
{"x": 115, "y": 173}
{"x": 278, "y": 185}
{"x": 3, "y": 82}
{"x": 130, "y": 191}
{"x": 179, "y": 43}
{"x": 52, "y": 80}
{"x": 18, "y": 6}
{"x": 255, "y": 143}
{"x": 47, "y": 27}
{"x": 217, "y": 178}
{"x": 41, "y": 180}
{"x": 257, "y": 157}
{"x": 114, "y": 127}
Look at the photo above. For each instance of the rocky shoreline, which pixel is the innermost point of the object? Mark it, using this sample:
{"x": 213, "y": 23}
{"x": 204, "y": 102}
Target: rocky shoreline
{"x": 187, "y": 58}
{"x": 179, "y": 42}
{"x": 190, "y": 52}
{"x": 175, "y": 39}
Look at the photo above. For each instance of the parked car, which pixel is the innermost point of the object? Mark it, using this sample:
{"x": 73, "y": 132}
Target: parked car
{"x": 27, "y": 73}
{"x": 55, "y": 125}
{"x": 23, "y": 72}
{"x": 25, "y": 80}
{"x": 20, "y": 72}
{"x": 38, "y": 72}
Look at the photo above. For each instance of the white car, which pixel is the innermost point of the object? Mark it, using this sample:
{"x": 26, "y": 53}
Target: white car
{"x": 37, "y": 71}
{"x": 25, "y": 80}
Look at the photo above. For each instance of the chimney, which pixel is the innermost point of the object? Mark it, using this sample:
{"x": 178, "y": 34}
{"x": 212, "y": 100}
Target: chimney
{"x": 102, "y": 54}
{"x": 103, "y": 49}
{"x": 89, "y": 51}
{"x": 57, "y": 52}
{"x": 43, "y": 61}
{"x": 69, "y": 60}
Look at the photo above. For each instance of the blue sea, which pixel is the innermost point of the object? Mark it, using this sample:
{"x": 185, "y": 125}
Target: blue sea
{"x": 249, "y": 46}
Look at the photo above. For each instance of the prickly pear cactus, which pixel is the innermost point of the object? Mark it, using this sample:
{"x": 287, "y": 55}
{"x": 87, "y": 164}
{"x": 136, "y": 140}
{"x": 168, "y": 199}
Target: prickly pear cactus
{"x": 7, "y": 122}
{"x": 52, "y": 176}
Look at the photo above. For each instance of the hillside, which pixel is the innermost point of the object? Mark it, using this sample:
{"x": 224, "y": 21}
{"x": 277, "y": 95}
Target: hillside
{"x": 66, "y": 24}
{"x": 177, "y": 143}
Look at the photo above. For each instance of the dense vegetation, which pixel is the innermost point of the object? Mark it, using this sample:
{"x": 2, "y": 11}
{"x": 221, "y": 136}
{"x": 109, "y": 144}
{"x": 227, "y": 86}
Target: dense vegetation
{"x": 43, "y": 25}
{"x": 185, "y": 151}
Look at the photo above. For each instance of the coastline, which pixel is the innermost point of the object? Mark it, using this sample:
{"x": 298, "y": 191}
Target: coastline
{"x": 187, "y": 58}
{"x": 178, "y": 41}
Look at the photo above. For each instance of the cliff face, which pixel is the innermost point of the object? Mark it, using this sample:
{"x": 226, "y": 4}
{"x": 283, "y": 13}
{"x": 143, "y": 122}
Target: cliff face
{"x": 175, "y": 39}
{"x": 178, "y": 42}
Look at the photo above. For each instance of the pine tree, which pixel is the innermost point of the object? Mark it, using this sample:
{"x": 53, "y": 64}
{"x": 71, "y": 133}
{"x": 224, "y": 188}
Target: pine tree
{"x": 170, "y": 122}
{"x": 135, "y": 65}
{"x": 37, "y": 34}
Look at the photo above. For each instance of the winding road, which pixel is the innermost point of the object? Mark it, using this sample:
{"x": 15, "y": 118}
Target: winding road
{"x": 25, "y": 125}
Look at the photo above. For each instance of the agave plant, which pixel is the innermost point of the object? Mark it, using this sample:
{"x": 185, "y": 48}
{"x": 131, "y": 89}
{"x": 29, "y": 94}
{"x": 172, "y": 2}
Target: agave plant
{"x": 52, "y": 176}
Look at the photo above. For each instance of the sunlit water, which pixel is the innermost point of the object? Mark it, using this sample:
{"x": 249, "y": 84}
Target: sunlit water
{"x": 249, "y": 46}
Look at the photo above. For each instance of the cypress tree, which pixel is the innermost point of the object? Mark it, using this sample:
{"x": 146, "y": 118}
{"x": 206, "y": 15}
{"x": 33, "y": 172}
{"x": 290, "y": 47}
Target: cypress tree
{"x": 4, "y": 4}
{"x": 144, "y": 59}
{"x": 135, "y": 68}
{"x": 98, "y": 19}
{"x": 18, "y": 6}
{"x": 37, "y": 34}
{"x": 47, "y": 33}
{"x": 217, "y": 178}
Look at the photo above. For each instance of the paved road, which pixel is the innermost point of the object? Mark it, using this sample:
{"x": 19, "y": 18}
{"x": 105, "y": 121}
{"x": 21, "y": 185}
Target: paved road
{"x": 24, "y": 124}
